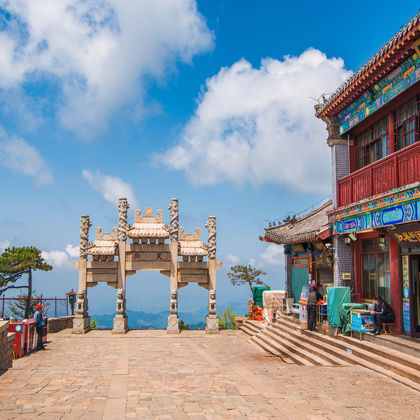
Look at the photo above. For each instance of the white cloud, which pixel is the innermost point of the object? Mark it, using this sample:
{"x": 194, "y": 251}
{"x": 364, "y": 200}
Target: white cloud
{"x": 55, "y": 258}
{"x": 258, "y": 125}
{"x": 111, "y": 187}
{"x": 72, "y": 251}
{"x": 19, "y": 156}
{"x": 273, "y": 255}
{"x": 4, "y": 244}
{"x": 97, "y": 52}
{"x": 232, "y": 259}
{"x": 61, "y": 258}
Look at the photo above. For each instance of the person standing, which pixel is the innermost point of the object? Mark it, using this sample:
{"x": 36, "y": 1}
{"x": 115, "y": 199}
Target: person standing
{"x": 39, "y": 324}
{"x": 313, "y": 298}
{"x": 382, "y": 313}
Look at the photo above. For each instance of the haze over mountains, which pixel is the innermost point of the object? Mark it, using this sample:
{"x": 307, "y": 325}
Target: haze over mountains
{"x": 159, "y": 320}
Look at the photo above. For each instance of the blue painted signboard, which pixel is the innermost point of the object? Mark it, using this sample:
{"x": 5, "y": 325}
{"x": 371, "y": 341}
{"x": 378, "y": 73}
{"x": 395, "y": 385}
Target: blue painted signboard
{"x": 404, "y": 76}
{"x": 362, "y": 322}
{"x": 406, "y": 316}
{"x": 407, "y": 212}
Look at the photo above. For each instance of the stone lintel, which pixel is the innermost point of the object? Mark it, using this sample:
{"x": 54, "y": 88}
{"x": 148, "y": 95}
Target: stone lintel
{"x": 334, "y": 141}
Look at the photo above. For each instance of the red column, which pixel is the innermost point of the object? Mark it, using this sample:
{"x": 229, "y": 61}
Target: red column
{"x": 396, "y": 298}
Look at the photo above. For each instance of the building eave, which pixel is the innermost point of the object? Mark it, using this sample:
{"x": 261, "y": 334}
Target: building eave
{"x": 403, "y": 44}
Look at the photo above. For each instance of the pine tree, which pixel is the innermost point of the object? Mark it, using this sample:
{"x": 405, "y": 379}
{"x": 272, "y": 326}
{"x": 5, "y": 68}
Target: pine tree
{"x": 14, "y": 263}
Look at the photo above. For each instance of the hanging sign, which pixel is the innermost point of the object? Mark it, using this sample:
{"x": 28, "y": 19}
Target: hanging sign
{"x": 407, "y": 235}
{"x": 324, "y": 259}
{"x": 406, "y": 294}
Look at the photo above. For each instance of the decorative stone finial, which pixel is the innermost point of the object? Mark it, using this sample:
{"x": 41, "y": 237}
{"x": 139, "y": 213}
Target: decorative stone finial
{"x": 123, "y": 206}
{"x": 174, "y": 215}
{"x": 85, "y": 224}
{"x": 211, "y": 227}
{"x": 173, "y": 309}
{"x": 212, "y": 302}
{"x": 81, "y": 308}
{"x": 120, "y": 310}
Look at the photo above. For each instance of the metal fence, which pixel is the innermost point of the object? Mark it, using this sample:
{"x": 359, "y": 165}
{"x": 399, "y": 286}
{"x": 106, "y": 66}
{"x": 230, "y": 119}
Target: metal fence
{"x": 53, "y": 307}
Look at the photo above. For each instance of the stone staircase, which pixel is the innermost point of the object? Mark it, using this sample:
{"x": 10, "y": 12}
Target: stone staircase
{"x": 286, "y": 340}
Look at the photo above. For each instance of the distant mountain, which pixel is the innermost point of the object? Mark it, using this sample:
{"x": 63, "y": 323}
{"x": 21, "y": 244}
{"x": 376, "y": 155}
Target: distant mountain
{"x": 159, "y": 321}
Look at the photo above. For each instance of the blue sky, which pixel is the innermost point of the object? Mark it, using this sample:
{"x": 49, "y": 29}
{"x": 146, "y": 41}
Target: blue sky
{"x": 207, "y": 101}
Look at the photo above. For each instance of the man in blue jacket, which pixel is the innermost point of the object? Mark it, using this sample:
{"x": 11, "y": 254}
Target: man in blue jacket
{"x": 39, "y": 324}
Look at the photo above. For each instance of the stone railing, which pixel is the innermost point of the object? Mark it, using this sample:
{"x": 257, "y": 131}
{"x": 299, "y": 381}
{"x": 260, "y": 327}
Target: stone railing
{"x": 61, "y": 323}
{"x": 6, "y": 345}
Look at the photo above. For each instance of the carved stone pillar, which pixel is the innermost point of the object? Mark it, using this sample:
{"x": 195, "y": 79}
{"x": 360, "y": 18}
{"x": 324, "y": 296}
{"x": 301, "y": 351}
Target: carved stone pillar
{"x": 174, "y": 223}
{"x": 123, "y": 207}
{"x": 211, "y": 227}
{"x": 81, "y": 322}
{"x": 212, "y": 323}
{"x": 121, "y": 320}
{"x": 173, "y": 320}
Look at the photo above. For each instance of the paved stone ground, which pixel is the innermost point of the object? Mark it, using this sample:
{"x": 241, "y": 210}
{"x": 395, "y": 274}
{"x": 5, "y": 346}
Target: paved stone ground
{"x": 148, "y": 374}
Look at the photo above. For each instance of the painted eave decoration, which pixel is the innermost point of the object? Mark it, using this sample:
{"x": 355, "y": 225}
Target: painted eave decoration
{"x": 398, "y": 206}
{"x": 404, "y": 44}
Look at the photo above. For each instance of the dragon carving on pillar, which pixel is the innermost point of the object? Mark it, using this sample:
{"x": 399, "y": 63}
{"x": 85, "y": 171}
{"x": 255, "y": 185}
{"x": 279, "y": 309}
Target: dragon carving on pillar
{"x": 123, "y": 207}
{"x": 211, "y": 227}
{"x": 85, "y": 224}
{"x": 174, "y": 215}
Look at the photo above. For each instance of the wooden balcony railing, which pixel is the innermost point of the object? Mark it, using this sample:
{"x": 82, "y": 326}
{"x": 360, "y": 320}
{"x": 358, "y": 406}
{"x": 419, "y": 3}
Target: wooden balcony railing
{"x": 393, "y": 171}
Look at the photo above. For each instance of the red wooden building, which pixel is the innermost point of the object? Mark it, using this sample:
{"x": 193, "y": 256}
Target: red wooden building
{"x": 373, "y": 122}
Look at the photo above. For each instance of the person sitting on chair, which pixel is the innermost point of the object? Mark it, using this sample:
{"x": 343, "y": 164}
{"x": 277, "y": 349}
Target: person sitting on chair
{"x": 382, "y": 313}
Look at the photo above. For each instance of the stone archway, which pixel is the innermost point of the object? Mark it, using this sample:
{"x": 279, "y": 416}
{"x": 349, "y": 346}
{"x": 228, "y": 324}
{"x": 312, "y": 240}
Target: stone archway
{"x": 111, "y": 259}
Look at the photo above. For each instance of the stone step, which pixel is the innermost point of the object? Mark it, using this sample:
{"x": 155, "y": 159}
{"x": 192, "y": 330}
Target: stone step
{"x": 295, "y": 348}
{"x": 363, "y": 355}
{"x": 388, "y": 358}
{"x": 256, "y": 324}
{"x": 272, "y": 350}
{"x": 257, "y": 327}
{"x": 290, "y": 320}
{"x": 246, "y": 329}
{"x": 349, "y": 352}
{"x": 403, "y": 344}
{"x": 279, "y": 350}
{"x": 386, "y": 372}
{"x": 323, "y": 351}
{"x": 389, "y": 353}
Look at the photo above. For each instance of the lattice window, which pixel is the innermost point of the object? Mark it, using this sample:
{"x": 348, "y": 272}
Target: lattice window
{"x": 406, "y": 127}
{"x": 376, "y": 269}
{"x": 372, "y": 144}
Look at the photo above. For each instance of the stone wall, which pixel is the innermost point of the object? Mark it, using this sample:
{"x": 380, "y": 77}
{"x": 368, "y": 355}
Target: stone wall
{"x": 6, "y": 345}
{"x": 58, "y": 324}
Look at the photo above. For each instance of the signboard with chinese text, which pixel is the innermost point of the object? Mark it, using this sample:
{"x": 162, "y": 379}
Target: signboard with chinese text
{"x": 408, "y": 235}
{"x": 406, "y": 294}
{"x": 401, "y": 213}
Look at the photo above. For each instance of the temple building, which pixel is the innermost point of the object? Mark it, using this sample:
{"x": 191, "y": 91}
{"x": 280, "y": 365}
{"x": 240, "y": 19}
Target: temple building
{"x": 307, "y": 249}
{"x": 373, "y": 123}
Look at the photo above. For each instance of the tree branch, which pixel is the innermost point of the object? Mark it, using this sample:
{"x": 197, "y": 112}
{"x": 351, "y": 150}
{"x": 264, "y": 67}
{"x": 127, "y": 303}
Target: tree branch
{"x": 12, "y": 287}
